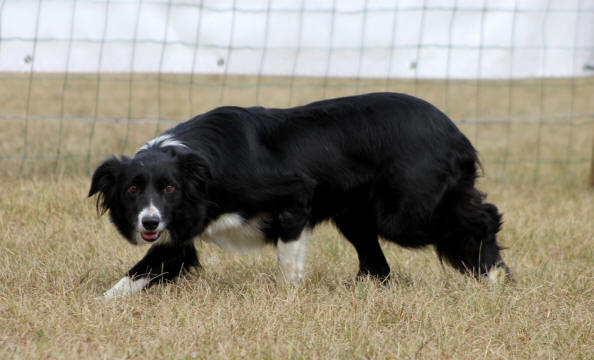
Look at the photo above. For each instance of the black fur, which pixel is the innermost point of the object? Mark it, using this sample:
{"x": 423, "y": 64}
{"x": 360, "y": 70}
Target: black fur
{"x": 380, "y": 164}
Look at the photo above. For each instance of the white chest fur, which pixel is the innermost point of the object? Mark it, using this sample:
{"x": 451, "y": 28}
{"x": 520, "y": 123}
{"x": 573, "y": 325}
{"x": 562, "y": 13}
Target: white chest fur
{"x": 232, "y": 232}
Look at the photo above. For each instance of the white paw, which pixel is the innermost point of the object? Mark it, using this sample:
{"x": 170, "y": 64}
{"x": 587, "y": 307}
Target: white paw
{"x": 292, "y": 272}
{"x": 126, "y": 287}
{"x": 496, "y": 275}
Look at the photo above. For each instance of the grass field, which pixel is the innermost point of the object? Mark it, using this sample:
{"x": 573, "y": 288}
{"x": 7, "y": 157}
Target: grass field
{"x": 57, "y": 257}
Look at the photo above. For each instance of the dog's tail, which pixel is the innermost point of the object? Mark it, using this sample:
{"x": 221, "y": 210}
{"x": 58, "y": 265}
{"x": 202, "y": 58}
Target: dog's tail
{"x": 467, "y": 225}
{"x": 470, "y": 242}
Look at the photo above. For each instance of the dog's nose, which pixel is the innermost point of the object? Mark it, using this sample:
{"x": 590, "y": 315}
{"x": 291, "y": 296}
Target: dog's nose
{"x": 150, "y": 222}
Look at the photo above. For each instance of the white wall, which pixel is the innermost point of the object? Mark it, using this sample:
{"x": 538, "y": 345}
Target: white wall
{"x": 540, "y": 38}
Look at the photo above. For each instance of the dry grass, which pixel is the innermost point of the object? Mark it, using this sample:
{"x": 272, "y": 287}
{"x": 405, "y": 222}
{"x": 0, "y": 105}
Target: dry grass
{"x": 57, "y": 257}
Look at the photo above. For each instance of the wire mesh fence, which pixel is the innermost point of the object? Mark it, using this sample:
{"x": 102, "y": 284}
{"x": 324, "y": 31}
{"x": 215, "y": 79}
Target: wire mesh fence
{"x": 83, "y": 79}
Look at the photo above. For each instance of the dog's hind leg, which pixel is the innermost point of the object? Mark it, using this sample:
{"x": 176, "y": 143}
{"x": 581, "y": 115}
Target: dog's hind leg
{"x": 161, "y": 263}
{"x": 359, "y": 229}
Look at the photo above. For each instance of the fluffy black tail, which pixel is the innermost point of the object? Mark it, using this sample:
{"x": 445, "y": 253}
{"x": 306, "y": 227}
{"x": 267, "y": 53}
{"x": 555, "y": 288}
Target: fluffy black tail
{"x": 469, "y": 244}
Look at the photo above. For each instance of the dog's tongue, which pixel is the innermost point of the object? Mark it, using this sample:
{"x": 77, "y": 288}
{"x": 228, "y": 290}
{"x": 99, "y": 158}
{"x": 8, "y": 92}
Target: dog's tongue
{"x": 150, "y": 236}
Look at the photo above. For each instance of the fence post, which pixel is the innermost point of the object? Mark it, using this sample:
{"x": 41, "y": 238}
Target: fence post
{"x": 592, "y": 166}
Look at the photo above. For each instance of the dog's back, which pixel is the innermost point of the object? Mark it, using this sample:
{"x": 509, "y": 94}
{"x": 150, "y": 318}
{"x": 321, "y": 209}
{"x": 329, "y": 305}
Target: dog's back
{"x": 391, "y": 163}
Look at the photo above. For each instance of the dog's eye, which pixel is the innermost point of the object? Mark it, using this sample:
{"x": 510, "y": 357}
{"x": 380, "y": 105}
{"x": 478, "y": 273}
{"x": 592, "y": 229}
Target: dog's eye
{"x": 132, "y": 189}
{"x": 169, "y": 188}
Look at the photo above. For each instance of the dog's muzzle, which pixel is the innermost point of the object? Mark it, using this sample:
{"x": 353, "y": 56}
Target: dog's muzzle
{"x": 150, "y": 224}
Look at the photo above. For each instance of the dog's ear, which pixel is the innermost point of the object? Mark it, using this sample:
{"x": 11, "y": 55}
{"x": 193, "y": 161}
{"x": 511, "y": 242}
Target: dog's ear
{"x": 196, "y": 173}
{"x": 103, "y": 183}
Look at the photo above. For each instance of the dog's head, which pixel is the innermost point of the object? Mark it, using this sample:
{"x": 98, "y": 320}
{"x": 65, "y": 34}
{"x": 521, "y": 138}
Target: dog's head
{"x": 155, "y": 197}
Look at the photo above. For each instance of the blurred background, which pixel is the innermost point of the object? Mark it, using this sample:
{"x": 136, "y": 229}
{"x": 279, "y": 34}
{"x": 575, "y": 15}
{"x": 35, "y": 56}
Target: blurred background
{"x": 83, "y": 79}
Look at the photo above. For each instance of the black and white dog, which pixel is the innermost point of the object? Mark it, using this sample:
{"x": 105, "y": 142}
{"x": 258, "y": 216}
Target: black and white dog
{"x": 381, "y": 164}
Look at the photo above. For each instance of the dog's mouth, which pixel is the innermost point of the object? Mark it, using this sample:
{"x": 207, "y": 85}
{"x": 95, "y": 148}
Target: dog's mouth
{"x": 150, "y": 236}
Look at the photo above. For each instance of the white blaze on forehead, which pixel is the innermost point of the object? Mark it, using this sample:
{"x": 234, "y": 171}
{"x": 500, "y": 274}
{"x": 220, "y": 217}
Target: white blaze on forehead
{"x": 291, "y": 257}
{"x": 162, "y": 141}
{"x": 233, "y": 233}
{"x": 126, "y": 287}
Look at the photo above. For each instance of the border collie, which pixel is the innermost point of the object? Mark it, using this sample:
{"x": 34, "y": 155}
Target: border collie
{"x": 377, "y": 165}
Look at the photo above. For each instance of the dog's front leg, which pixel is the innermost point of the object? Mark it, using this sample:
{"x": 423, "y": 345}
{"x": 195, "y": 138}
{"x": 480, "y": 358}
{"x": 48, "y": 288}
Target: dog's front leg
{"x": 161, "y": 263}
{"x": 126, "y": 286}
{"x": 291, "y": 247}
{"x": 291, "y": 257}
